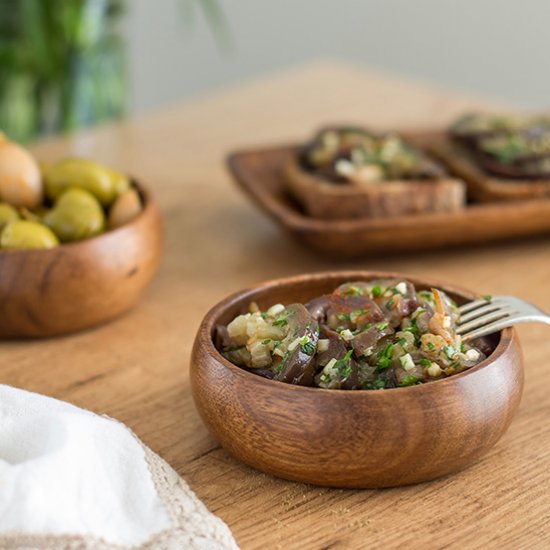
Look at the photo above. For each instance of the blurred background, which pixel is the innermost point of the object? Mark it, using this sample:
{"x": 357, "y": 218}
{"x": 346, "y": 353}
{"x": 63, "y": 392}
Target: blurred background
{"x": 71, "y": 63}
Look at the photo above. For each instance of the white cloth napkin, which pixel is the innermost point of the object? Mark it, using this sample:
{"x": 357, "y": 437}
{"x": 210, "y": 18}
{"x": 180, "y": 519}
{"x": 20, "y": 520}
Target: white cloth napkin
{"x": 70, "y": 479}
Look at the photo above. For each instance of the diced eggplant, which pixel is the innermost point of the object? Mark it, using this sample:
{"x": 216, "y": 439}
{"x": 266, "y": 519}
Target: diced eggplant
{"x": 266, "y": 373}
{"x": 336, "y": 348}
{"x": 221, "y": 337}
{"x": 525, "y": 169}
{"x": 389, "y": 378}
{"x": 240, "y": 356}
{"x": 352, "y": 381}
{"x": 408, "y": 302}
{"x": 341, "y": 308}
{"x": 423, "y": 319}
{"x": 398, "y": 300}
{"x": 483, "y": 345}
{"x": 318, "y": 308}
{"x": 298, "y": 364}
{"x": 369, "y": 337}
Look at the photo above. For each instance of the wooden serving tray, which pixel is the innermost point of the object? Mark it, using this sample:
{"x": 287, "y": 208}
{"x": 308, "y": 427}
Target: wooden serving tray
{"x": 259, "y": 173}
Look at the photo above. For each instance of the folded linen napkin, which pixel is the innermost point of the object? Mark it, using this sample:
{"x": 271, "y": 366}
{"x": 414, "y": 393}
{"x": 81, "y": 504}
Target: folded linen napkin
{"x": 70, "y": 479}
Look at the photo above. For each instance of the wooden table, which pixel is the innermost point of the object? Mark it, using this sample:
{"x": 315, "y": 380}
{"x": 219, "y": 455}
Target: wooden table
{"x": 136, "y": 368}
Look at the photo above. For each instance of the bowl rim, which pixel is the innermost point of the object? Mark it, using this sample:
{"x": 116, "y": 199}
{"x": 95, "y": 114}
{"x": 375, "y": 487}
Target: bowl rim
{"x": 149, "y": 204}
{"x": 507, "y": 337}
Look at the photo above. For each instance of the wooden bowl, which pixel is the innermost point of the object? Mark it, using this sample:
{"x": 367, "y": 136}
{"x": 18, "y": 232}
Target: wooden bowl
{"x": 79, "y": 285}
{"x": 346, "y": 438}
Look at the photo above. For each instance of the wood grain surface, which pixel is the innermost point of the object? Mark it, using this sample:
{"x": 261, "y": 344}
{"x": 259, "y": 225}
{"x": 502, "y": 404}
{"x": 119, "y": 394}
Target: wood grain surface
{"x": 136, "y": 368}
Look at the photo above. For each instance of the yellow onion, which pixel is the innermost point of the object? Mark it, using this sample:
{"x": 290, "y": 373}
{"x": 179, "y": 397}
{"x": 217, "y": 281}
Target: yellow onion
{"x": 125, "y": 209}
{"x": 20, "y": 179}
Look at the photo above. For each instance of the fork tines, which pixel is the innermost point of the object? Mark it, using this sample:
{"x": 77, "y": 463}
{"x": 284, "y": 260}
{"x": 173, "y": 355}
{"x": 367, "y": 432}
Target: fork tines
{"x": 483, "y": 313}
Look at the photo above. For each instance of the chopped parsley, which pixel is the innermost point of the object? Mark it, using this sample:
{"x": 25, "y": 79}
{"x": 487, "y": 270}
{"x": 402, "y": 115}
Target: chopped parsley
{"x": 307, "y": 346}
{"x": 487, "y": 297}
{"x": 376, "y": 291}
{"x": 431, "y": 346}
{"x": 343, "y": 366}
{"x": 379, "y": 326}
{"x": 274, "y": 343}
{"x": 384, "y": 357}
{"x": 280, "y": 367}
{"x": 409, "y": 380}
{"x": 352, "y": 291}
{"x": 342, "y": 317}
{"x": 427, "y": 297}
{"x": 413, "y": 329}
{"x": 376, "y": 384}
{"x": 449, "y": 351}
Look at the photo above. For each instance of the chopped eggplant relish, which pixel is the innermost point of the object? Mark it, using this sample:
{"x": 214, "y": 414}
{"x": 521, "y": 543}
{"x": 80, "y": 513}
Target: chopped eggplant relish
{"x": 511, "y": 146}
{"x": 365, "y": 335}
{"x": 358, "y": 156}
{"x": 480, "y": 125}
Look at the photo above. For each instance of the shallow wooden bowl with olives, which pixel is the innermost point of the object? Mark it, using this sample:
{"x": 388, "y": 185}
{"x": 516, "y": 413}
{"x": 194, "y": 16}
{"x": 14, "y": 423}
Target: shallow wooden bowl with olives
{"x": 81, "y": 284}
{"x": 79, "y": 242}
{"x": 342, "y": 438}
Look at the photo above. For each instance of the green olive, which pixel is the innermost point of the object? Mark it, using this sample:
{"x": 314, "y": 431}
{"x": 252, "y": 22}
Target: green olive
{"x": 7, "y": 214}
{"x": 76, "y": 215}
{"x": 24, "y": 234}
{"x": 99, "y": 180}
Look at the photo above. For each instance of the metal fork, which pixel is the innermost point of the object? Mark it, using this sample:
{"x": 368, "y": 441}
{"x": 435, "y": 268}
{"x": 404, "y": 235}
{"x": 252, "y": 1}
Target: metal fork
{"x": 486, "y": 316}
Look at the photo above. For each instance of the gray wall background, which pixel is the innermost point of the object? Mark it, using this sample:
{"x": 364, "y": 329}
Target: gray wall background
{"x": 496, "y": 48}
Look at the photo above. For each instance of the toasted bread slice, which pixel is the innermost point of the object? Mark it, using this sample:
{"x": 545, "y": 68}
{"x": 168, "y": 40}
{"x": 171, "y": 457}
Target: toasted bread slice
{"x": 484, "y": 187}
{"x": 322, "y": 199}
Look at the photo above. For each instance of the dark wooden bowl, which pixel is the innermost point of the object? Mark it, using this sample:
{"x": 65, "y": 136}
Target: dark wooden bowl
{"x": 79, "y": 285}
{"x": 360, "y": 438}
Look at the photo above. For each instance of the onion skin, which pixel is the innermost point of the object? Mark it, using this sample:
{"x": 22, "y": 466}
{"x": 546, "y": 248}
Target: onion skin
{"x": 125, "y": 209}
{"x": 20, "y": 178}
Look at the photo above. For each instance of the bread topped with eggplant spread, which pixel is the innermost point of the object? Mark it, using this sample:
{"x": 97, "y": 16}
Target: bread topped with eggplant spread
{"x": 351, "y": 172}
{"x": 500, "y": 157}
